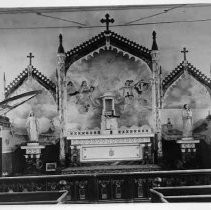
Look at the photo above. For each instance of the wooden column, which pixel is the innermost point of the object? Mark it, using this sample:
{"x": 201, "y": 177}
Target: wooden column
{"x": 61, "y": 97}
{"x": 156, "y": 95}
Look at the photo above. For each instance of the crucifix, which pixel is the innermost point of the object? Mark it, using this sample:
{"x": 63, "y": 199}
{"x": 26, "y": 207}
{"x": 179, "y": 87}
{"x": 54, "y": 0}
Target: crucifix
{"x": 184, "y": 51}
{"x": 30, "y": 56}
{"x": 107, "y": 21}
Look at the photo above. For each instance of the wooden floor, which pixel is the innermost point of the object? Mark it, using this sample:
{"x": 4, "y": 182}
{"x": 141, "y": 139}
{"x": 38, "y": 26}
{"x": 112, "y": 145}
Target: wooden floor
{"x": 141, "y": 200}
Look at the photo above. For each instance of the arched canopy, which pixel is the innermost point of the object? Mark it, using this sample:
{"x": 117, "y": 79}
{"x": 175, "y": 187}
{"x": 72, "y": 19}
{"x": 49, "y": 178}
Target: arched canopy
{"x": 38, "y": 76}
{"x": 180, "y": 70}
{"x": 106, "y": 40}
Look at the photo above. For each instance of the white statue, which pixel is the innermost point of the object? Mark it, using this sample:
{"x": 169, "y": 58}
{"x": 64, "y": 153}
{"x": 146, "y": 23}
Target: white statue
{"x": 111, "y": 123}
{"x": 187, "y": 121}
{"x": 32, "y": 127}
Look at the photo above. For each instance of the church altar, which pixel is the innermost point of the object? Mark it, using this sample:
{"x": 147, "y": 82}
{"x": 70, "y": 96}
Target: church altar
{"x": 95, "y": 145}
{"x": 107, "y": 104}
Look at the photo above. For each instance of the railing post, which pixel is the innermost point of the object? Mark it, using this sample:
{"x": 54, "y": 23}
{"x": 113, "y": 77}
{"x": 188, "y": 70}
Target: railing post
{"x": 74, "y": 196}
{"x": 129, "y": 187}
{"x": 93, "y": 189}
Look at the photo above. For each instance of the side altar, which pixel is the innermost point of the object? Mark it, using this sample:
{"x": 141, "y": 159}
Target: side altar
{"x": 33, "y": 148}
{"x": 184, "y": 145}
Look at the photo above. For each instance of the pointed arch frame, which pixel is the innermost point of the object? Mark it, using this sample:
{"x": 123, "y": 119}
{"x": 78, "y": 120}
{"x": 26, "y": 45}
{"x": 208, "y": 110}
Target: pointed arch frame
{"x": 108, "y": 41}
{"x": 171, "y": 78}
{"x": 37, "y": 75}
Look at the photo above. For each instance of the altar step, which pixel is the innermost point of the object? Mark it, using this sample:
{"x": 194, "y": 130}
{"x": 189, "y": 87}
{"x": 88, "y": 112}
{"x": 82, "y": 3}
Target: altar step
{"x": 109, "y": 163}
{"x": 110, "y": 169}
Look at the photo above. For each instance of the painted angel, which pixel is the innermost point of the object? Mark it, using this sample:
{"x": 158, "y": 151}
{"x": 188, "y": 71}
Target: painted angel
{"x": 131, "y": 89}
{"x": 84, "y": 95}
{"x": 141, "y": 86}
{"x": 128, "y": 91}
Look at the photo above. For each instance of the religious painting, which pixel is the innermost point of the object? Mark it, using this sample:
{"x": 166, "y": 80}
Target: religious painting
{"x": 128, "y": 80}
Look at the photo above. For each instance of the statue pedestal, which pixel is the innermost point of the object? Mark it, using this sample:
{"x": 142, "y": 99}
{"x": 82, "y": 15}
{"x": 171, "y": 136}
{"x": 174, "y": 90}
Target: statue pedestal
{"x": 188, "y": 144}
{"x": 188, "y": 148}
{"x": 32, "y": 155}
{"x": 33, "y": 150}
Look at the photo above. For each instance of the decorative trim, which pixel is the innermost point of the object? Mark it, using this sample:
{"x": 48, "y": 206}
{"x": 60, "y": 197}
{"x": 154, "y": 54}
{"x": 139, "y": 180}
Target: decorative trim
{"x": 108, "y": 141}
{"x": 140, "y": 131}
{"x": 112, "y": 136}
{"x": 111, "y": 49}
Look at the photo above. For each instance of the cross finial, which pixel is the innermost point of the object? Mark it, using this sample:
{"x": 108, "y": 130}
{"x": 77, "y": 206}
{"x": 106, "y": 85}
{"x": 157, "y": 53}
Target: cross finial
{"x": 107, "y": 21}
{"x": 30, "y": 56}
{"x": 184, "y": 51}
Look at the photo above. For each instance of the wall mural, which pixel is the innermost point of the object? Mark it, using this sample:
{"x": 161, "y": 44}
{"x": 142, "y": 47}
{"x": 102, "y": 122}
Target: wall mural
{"x": 129, "y": 81}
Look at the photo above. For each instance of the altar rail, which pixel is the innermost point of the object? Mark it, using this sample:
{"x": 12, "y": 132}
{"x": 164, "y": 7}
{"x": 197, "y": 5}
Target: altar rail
{"x": 120, "y": 131}
{"x": 106, "y": 187}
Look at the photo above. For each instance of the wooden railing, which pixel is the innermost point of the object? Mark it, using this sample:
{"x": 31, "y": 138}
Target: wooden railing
{"x": 106, "y": 187}
{"x": 200, "y": 193}
{"x": 84, "y": 133}
{"x": 41, "y": 197}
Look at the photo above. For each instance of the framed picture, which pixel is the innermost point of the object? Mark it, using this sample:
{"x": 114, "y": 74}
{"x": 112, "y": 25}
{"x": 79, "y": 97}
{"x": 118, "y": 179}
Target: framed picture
{"x": 51, "y": 166}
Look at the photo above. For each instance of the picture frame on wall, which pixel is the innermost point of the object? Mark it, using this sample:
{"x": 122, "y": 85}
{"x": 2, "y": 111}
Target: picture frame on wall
{"x": 51, "y": 166}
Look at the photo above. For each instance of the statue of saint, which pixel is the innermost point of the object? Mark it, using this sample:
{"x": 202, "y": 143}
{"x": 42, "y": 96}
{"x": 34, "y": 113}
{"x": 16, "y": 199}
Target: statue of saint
{"x": 187, "y": 121}
{"x": 32, "y": 127}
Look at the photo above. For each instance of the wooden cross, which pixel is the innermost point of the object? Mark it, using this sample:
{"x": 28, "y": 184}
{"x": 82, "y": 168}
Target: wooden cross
{"x": 184, "y": 51}
{"x": 30, "y": 56}
{"x": 107, "y": 21}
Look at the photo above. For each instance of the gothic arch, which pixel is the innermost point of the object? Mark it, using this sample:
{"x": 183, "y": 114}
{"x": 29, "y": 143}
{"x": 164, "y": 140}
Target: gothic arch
{"x": 108, "y": 41}
{"x": 38, "y": 76}
{"x": 176, "y": 74}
